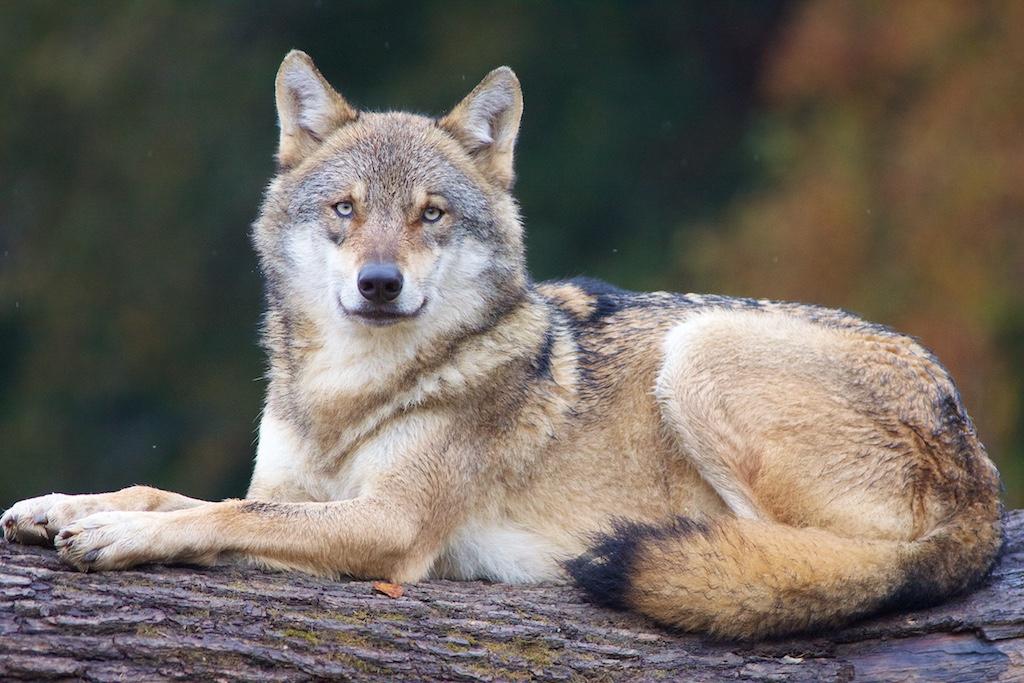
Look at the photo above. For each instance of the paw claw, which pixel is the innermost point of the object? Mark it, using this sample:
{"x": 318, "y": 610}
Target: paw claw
{"x": 106, "y": 540}
{"x": 33, "y": 521}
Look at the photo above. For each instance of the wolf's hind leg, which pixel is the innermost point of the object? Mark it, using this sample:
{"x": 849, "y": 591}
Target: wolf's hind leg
{"x": 36, "y": 521}
{"x": 774, "y": 413}
{"x": 814, "y": 425}
{"x": 694, "y": 392}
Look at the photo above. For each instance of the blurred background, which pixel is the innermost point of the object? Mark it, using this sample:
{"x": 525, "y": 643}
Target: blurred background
{"x": 864, "y": 155}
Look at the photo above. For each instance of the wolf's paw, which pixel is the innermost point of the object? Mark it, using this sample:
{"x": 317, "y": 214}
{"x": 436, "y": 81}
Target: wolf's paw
{"x": 108, "y": 540}
{"x": 35, "y": 521}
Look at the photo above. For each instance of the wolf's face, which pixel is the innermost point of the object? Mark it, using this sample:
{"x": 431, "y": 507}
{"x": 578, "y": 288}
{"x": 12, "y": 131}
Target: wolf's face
{"x": 392, "y": 220}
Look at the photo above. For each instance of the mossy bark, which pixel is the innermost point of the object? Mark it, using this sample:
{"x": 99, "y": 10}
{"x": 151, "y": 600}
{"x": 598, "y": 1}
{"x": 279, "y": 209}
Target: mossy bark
{"x": 232, "y": 624}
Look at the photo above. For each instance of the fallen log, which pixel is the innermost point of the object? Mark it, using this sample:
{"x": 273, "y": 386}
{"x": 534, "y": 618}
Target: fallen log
{"x": 239, "y": 624}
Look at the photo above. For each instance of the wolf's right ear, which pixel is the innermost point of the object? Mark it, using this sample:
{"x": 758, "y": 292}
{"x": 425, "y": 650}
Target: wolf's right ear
{"x": 308, "y": 108}
{"x": 486, "y": 122}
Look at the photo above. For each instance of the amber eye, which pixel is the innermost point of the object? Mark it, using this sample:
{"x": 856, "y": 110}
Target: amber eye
{"x": 344, "y": 209}
{"x": 432, "y": 214}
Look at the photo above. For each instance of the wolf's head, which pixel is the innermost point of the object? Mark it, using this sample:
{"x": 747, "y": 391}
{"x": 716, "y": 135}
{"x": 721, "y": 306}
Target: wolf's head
{"x": 392, "y": 223}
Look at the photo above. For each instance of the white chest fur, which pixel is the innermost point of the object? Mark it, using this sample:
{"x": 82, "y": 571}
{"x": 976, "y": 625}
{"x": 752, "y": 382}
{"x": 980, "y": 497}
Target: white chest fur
{"x": 483, "y": 548}
{"x": 285, "y": 460}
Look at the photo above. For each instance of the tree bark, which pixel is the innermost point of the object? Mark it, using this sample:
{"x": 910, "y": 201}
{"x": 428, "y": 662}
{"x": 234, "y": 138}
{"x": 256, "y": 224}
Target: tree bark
{"x": 234, "y": 624}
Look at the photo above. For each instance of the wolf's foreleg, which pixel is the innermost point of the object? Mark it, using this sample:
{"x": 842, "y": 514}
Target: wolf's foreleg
{"x": 368, "y": 537}
{"x": 394, "y": 530}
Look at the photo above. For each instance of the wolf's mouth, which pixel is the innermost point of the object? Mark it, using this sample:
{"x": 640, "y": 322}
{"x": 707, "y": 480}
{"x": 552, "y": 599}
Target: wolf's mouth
{"x": 382, "y": 317}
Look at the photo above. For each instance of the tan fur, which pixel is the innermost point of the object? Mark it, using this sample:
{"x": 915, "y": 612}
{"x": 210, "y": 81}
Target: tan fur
{"x": 757, "y": 468}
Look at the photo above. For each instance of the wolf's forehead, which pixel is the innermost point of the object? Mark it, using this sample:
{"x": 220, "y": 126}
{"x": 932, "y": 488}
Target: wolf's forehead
{"x": 391, "y": 154}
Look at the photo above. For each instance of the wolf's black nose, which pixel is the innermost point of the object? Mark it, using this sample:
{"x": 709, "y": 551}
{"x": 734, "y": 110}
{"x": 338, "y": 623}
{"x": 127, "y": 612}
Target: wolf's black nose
{"x": 380, "y": 282}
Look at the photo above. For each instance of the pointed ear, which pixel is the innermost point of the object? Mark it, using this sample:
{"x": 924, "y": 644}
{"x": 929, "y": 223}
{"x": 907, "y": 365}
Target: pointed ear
{"x": 487, "y": 123}
{"x": 308, "y": 108}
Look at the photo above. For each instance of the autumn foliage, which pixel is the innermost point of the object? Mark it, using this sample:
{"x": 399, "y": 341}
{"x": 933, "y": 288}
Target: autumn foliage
{"x": 891, "y": 156}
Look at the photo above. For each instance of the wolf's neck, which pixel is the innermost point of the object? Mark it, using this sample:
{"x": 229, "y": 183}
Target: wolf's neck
{"x": 306, "y": 360}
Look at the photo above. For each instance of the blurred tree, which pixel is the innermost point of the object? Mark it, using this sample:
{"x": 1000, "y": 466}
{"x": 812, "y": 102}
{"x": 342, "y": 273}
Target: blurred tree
{"x": 865, "y": 155}
{"x": 890, "y": 151}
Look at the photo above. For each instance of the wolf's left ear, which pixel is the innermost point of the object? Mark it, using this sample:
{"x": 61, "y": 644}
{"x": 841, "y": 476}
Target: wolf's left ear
{"x": 486, "y": 122}
{"x": 308, "y": 108}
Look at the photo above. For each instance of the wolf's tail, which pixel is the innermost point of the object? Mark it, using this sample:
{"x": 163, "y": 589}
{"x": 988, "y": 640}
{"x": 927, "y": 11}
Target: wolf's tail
{"x": 741, "y": 578}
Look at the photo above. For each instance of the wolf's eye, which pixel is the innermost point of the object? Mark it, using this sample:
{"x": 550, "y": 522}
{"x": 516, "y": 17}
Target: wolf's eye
{"x": 344, "y": 209}
{"x": 432, "y": 214}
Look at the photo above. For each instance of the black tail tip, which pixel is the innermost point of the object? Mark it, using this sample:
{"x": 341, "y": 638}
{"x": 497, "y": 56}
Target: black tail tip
{"x": 605, "y": 571}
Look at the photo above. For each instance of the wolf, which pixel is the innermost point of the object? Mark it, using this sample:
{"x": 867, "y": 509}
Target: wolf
{"x": 742, "y": 468}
